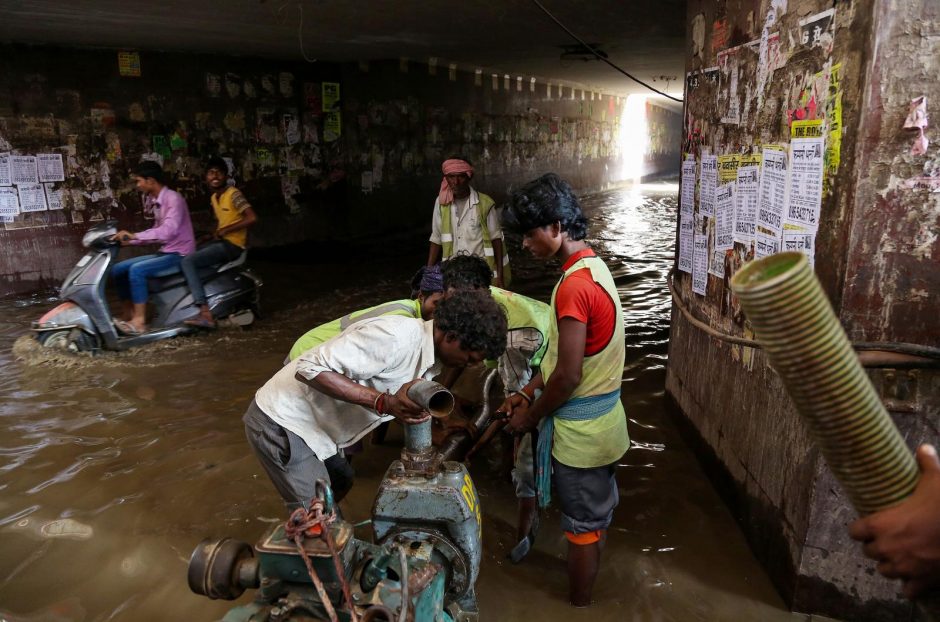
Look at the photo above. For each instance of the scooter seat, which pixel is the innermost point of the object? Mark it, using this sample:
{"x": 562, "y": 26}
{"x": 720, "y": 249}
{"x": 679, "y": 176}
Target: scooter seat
{"x": 175, "y": 278}
{"x": 238, "y": 261}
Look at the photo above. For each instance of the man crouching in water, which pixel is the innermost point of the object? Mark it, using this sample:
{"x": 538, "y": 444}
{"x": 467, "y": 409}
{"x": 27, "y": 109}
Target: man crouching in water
{"x": 336, "y": 393}
{"x": 583, "y": 427}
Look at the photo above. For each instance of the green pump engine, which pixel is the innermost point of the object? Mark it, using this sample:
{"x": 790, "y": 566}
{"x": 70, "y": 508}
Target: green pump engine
{"x": 422, "y": 568}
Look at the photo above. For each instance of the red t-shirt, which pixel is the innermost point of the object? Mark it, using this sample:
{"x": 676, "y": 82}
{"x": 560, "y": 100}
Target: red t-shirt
{"x": 583, "y": 299}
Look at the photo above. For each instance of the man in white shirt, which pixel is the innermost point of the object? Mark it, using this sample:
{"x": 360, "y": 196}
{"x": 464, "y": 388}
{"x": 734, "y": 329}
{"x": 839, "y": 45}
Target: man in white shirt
{"x": 336, "y": 393}
{"x": 466, "y": 222}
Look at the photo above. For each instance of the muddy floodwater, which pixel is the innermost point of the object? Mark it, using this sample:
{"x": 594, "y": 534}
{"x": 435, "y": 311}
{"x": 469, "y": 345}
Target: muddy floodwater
{"x": 113, "y": 467}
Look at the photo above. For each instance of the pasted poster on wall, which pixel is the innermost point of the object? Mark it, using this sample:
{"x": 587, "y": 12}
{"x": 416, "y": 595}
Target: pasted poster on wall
{"x": 686, "y": 239}
{"x": 700, "y": 256}
{"x": 53, "y": 197}
{"x": 9, "y": 204}
{"x": 50, "y": 167}
{"x": 687, "y": 194}
{"x": 806, "y": 176}
{"x": 707, "y": 184}
{"x": 802, "y": 241}
{"x": 332, "y": 126}
{"x": 745, "y": 199}
{"x": 773, "y": 190}
{"x": 23, "y": 170}
{"x": 765, "y": 243}
{"x": 5, "y": 174}
{"x": 32, "y": 197}
{"x": 724, "y": 206}
{"x": 330, "y": 96}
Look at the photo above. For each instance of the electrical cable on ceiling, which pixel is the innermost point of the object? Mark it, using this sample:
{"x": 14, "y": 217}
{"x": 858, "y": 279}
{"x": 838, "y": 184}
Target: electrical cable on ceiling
{"x": 300, "y": 29}
{"x": 601, "y": 57}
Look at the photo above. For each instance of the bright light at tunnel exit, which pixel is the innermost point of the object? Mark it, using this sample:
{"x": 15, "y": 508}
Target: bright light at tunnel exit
{"x": 633, "y": 138}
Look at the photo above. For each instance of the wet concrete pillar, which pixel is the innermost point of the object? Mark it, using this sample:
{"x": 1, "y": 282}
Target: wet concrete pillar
{"x": 763, "y": 79}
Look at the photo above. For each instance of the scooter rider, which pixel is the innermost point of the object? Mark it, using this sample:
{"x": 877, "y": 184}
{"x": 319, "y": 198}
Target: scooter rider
{"x": 234, "y": 216}
{"x": 173, "y": 229}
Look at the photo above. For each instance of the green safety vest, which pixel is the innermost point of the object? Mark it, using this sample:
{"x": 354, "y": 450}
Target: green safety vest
{"x": 484, "y": 205}
{"x": 600, "y": 441}
{"x": 325, "y": 332}
{"x": 525, "y": 312}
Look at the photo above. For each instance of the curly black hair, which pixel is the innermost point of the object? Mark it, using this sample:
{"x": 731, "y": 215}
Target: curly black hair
{"x": 464, "y": 271}
{"x": 544, "y": 201}
{"x": 215, "y": 162}
{"x": 474, "y": 318}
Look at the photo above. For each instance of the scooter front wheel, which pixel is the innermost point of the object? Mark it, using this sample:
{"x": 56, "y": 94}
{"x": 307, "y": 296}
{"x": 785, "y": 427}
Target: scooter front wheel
{"x": 69, "y": 340}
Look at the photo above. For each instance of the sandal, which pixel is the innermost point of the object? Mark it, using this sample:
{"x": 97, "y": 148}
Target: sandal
{"x": 522, "y": 548}
{"x": 200, "y": 322}
{"x": 126, "y": 328}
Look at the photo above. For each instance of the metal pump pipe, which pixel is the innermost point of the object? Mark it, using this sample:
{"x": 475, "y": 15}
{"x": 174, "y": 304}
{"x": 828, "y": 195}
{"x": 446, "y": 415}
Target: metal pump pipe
{"x": 808, "y": 348}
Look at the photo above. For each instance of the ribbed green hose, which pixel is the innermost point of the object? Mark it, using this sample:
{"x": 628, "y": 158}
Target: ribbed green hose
{"x": 807, "y": 347}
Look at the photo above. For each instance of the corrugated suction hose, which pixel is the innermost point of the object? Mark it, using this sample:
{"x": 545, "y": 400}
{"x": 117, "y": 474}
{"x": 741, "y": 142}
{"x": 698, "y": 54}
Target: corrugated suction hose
{"x": 808, "y": 348}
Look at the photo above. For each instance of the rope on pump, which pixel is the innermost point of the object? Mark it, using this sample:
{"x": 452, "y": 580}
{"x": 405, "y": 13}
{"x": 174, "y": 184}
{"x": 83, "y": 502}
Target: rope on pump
{"x": 316, "y": 522}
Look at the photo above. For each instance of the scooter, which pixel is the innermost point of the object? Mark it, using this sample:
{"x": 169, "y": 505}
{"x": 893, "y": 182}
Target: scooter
{"x": 83, "y": 323}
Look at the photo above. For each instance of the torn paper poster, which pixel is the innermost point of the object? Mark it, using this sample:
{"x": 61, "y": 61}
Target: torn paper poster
{"x": 687, "y": 193}
{"x": 917, "y": 120}
{"x": 213, "y": 85}
{"x": 716, "y": 264}
{"x": 707, "y": 184}
{"x": 765, "y": 243}
{"x": 773, "y": 190}
{"x": 5, "y": 174}
{"x": 285, "y": 83}
{"x": 9, "y": 202}
{"x": 805, "y": 188}
{"x": 729, "y": 103}
{"x": 366, "y": 183}
{"x": 802, "y": 241}
{"x": 818, "y": 31}
{"x": 686, "y": 238}
{"x": 32, "y": 197}
{"x": 930, "y": 184}
{"x": 700, "y": 255}
{"x": 745, "y": 203}
{"x": 724, "y": 225}
{"x": 53, "y": 197}
{"x": 50, "y": 167}
{"x": 23, "y": 170}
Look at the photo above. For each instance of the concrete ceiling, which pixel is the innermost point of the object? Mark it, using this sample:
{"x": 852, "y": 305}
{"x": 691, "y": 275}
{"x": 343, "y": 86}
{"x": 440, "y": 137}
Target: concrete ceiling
{"x": 644, "y": 37}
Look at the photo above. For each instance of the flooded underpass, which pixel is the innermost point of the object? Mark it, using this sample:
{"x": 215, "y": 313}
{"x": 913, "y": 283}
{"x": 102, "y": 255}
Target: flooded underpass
{"x": 113, "y": 467}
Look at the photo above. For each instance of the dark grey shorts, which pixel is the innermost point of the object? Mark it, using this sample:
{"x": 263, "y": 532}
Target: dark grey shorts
{"x": 587, "y": 496}
{"x": 292, "y": 466}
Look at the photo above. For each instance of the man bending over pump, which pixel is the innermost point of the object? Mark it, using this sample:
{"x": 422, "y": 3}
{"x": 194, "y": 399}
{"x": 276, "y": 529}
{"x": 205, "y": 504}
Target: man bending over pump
{"x": 336, "y": 393}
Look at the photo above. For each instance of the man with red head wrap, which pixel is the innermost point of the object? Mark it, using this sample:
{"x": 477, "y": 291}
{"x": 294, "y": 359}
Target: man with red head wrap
{"x": 465, "y": 221}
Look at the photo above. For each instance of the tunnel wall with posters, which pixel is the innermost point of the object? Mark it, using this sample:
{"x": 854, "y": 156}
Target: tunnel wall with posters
{"x": 325, "y": 152}
{"x": 795, "y": 139}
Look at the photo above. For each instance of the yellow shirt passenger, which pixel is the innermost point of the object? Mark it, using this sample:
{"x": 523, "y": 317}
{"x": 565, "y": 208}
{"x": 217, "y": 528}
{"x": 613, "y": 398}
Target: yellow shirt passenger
{"x": 229, "y": 208}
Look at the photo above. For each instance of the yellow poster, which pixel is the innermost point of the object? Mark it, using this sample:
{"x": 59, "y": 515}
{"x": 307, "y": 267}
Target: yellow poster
{"x": 728, "y": 168}
{"x": 332, "y": 126}
{"x": 129, "y": 64}
{"x": 750, "y": 159}
{"x": 330, "y": 96}
{"x": 807, "y": 129}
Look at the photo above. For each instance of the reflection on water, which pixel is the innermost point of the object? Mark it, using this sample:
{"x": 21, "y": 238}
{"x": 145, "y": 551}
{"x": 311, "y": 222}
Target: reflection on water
{"x": 112, "y": 468}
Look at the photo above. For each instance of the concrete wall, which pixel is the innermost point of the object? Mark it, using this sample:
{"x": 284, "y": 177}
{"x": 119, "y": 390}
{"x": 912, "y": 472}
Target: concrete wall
{"x": 395, "y": 123}
{"x": 876, "y": 255}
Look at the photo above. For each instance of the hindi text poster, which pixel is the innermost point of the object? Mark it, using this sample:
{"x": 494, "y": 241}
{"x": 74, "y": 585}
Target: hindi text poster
{"x": 773, "y": 190}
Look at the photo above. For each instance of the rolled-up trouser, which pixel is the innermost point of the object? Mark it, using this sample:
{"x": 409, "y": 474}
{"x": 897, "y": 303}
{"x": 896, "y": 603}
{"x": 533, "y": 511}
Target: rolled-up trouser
{"x": 290, "y": 464}
{"x": 523, "y": 468}
{"x": 587, "y": 496}
{"x": 130, "y": 276}
{"x": 216, "y": 252}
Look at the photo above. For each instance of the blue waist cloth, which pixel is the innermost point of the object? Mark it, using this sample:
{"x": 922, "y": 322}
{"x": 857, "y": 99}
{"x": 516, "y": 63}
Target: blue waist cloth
{"x": 577, "y": 409}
